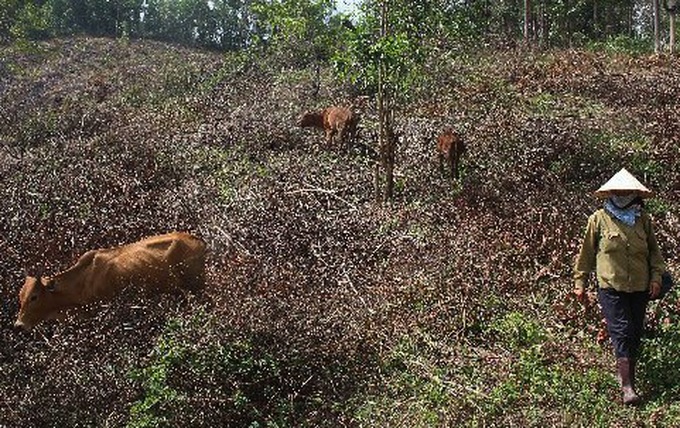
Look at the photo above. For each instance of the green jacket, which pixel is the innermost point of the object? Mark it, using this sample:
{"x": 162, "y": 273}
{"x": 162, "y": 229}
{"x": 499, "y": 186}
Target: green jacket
{"x": 625, "y": 258}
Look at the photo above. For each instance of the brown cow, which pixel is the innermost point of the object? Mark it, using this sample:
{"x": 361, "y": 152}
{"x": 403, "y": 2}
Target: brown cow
{"x": 450, "y": 146}
{"x": 340, "y": 121}
{"x": 164, "y": 263}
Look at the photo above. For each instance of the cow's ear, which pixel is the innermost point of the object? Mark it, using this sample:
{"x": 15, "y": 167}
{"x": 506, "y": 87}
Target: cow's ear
{"x": 30, "y": 273}
{"x": 49, "y": 285}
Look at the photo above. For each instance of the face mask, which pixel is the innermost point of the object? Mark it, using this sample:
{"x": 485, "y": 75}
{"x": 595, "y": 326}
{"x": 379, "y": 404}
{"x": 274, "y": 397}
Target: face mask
{"x": 623, "y": 201}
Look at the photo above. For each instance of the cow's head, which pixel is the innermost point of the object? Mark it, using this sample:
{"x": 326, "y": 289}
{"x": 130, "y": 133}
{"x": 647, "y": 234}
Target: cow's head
{"x": 308, "y": 119}
{"x": 34, "y": 301}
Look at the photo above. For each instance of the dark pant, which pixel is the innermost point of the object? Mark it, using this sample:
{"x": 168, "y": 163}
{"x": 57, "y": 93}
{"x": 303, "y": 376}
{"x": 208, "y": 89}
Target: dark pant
{"x": 625, "y": 315}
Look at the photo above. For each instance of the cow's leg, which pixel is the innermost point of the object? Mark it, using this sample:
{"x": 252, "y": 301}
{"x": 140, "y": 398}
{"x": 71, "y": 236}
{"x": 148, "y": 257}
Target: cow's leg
{"x": 193, "y": 274}
{"x": 353, "y": 131}
{"x": 342, "y": 136}
{"x": 175, "y": 257}
{"x": 329, "y": 138}
{"x": 187, "y": 271}
{"x": 454, "y": 166}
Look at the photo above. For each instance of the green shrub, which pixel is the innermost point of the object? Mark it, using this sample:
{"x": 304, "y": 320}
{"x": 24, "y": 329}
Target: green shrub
{"x": 659, "y": 364}
{"x": 233, "y": 382}
{"x": 621, "y": 44}
{"x": 518, "y": 331}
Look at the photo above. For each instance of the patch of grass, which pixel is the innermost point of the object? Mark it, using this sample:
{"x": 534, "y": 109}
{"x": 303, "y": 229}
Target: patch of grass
{"x": 659, "y": 364}
{"x": 517, "y": 331}
{"x": 420, "y": 387}
{"x": 657, "y": 206}
{"x": 152, "y": 409}
{"x": 544, "y": 103}
{"x": 243, "y": 380}
{"x": 416, "y": 392}
{"x": 231, "y": 168}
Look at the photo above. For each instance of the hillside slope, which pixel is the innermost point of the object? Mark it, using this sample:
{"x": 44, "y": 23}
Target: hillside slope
{"x": 446, "y": 307}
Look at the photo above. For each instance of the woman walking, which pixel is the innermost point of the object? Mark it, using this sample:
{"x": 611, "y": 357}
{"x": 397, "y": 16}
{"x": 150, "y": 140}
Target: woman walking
{"x": 621, "y": 248}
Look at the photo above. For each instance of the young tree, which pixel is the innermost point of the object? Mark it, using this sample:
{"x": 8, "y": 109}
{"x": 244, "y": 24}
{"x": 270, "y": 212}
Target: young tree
{"x": 384, "y": 56}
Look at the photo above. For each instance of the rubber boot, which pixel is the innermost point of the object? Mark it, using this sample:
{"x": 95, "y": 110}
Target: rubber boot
{"x": 630, "y": 397}
{"x": 632, "y": 372}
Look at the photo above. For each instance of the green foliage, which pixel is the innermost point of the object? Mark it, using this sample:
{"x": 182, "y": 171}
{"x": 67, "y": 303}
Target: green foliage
{"x": 633, "y": 150}
{"x": 659, "y": 363}
{"x": 518, "y": 331}
{"x": 159, "y": 396}
{"x": 299, "y": 31}
{"x": 416, "y": 389}
{"x": 220, "y": 24}
{"x": 462, "y": 24}
{"x": 30, "y": 22}
{"x": 657, "y": 206}
{"x": 581, "y": 396}
{"x": 421, "y": 388}
{"x": 622, "y": 44}
{"x": 311, "y": 30}
{"x": 241, "y": 376}
{"x": 538, "y": 378}
{"x": 401, "y": 51}
{"x": 233, "y": 170}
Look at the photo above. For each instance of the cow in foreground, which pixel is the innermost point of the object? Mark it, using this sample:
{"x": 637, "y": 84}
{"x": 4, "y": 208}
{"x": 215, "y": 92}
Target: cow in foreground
{"x": 164, "y": 263}
{"x": 335, "y": 121}
{"x": 450, "y": 147}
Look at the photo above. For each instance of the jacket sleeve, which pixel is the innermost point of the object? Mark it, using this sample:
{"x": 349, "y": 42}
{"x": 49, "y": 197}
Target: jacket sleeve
{"x": 585, "y": 262}
{"x": 657, "y": 266}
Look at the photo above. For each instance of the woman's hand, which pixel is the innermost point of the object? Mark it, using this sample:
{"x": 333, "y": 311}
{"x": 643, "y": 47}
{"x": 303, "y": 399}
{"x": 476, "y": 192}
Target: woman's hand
{"x": 580, "y": 294}
{"x": 654, "y": 289}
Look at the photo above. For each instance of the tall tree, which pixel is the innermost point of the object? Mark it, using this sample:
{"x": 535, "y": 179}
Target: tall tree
{"x": 299, "y": 31}
{"x": 527, "y": 20}
{"x": 233, "y": 22}
{"x": 24, "y": 20}
{"x": 657, "y": 39}
{"x": 671, "y": 7}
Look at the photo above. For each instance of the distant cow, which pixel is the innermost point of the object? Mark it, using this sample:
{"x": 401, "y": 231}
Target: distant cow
{"x": 335, "y": 121}
{"x": 450, "y": 147}
{"x": 164, "y": 263}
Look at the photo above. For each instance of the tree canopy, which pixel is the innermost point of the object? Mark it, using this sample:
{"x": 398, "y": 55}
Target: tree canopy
{"x": 315, "y": 27}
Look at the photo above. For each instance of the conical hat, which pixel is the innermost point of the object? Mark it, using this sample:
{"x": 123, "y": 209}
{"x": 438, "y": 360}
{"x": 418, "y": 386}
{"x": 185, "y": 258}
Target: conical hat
{"x": 623, "y": 180}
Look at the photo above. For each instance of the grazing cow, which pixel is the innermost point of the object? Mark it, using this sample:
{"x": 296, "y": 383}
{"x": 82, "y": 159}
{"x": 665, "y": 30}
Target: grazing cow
{"x": 340, "y": 121}
{"x": 450, "y": 146}
{"x": 164, "y": 263}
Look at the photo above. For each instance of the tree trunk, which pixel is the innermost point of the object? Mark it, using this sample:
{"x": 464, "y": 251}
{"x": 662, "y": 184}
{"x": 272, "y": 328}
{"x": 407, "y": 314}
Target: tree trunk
{"x": 383, "y": 106}
{"x": 527, "y": 19}
{"x": 596, "y": 24}
{"x": 570, "y": 33}
{"x": 672, "y": 33}
{"x": 379, "y": 160}
{"x": 657, "y": 42}
{"x": 545, "y": 25}
{"x": 390, "y": 147}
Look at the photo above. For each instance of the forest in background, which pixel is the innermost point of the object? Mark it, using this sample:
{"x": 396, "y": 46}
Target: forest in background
{"x": 444, "y": 305}
{"x": 315, "y": 27}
